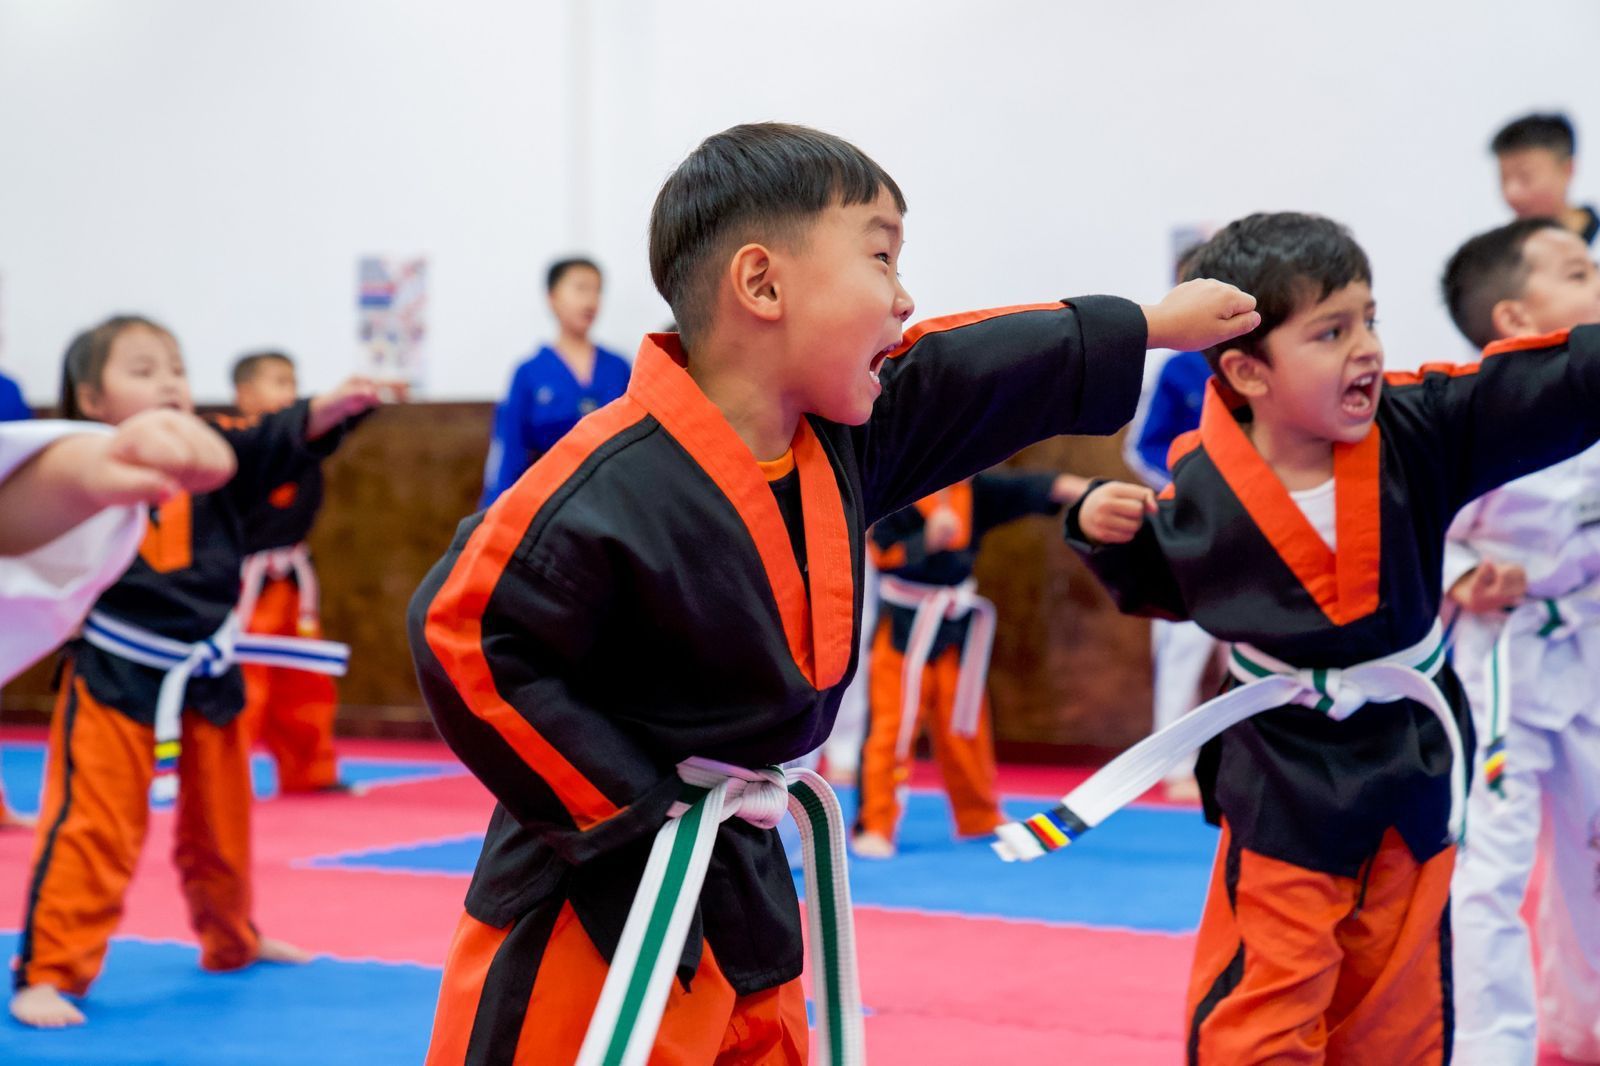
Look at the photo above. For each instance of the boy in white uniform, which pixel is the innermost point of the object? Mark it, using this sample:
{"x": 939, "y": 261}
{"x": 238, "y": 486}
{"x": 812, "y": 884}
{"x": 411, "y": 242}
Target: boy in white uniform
{"x": 1523, "y": 566}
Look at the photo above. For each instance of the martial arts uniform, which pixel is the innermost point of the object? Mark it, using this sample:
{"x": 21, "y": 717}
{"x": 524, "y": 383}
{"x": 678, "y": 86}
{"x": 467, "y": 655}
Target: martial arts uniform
{"x": 182, "y": 586}
{"x": 290, "y": 711}
{"x": 1326, "y": 929}
{"x": 45, "y": 593}
{"x": 1180, "y": 651}
{"x": 644, "y": 595}
{"x": 1549, "y": 524}
{"x": 930, "y": 657}
{"x": 545, "y": 402}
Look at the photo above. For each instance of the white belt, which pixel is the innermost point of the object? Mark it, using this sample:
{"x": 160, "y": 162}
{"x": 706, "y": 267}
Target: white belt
{"x": 934, "y": 605}
{"x": 634, "y": 995}
{"x": 1269, "y": 683}
{"x": 211, "y": 657}
{"x": 279, "y": 563}
{"x": 1549, "y": 621}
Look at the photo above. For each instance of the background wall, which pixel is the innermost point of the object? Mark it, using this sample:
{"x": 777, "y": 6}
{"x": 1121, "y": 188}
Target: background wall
{"x": 222, "y": 165}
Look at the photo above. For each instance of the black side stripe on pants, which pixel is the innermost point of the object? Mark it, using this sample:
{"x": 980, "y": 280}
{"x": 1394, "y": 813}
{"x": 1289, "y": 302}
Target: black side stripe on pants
{"x": 508, "y": 986}
{"x": 1447, "y": 983}
{"x": 1233, "y": 973}
{"x": 25, "y": 954}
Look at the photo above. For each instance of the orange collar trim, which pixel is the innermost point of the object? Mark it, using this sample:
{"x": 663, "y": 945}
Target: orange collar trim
{"x": 820, "y": 630}
{"x": 1344, "y": 584}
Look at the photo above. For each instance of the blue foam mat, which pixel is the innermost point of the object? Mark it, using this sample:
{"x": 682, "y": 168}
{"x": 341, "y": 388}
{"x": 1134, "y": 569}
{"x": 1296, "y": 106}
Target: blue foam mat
{"x": 154, "y": 1006}
{"x": 1145, "y": 869}
{"x": 22, "y": 772}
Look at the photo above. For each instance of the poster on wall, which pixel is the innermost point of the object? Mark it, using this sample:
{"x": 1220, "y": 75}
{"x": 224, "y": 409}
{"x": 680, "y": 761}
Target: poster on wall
{"x": 392, "y": 302}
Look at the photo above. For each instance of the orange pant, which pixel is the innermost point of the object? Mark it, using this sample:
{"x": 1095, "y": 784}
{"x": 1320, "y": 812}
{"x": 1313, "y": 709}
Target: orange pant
{"x": 290, "y": 711}
{"x": 1296, "y": 966}
{"x": 966, "y": 763}
{"x": 533, "y": 987}
{"x": 92, "y": 822}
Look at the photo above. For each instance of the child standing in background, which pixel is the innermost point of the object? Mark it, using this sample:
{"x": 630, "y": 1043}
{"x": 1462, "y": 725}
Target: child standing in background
{"x": 174, "y": 606}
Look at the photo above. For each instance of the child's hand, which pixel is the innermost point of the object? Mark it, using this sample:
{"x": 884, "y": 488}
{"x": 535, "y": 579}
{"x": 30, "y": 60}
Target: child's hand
{"x": 1198, "y": 314}
{"x": 155, "y": 455}
{"x": 1113, "y": 513}
{"x": 940, "y": 530}
{"x": 1490, "y": 587}
{"x": 1068, "y": 488}
{"x": 354, "y": 396}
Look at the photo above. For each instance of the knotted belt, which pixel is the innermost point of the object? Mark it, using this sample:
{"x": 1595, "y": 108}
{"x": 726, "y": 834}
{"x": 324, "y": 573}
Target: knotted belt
{"x": 279, "y": 563}
{"x": 637, "y": 985}
{"x": 212, "y": 657}
{"x": 934, "y": 605}
{"x": 1268, "y": 684}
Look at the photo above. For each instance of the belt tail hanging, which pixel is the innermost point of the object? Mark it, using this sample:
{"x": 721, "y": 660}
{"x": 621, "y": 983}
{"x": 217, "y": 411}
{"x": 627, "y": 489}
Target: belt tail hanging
{"x": 634, "y": 995}
{"x": 830, "y": 925}
{"x": 974, "y": 679}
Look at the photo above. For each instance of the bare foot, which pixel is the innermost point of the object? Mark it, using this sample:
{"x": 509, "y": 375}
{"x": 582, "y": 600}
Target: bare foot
{"x": 44, "y": 1007}
{"x": 270, "y": 950}
{"x": 10, "y": 819}
{"x": 872, "y": 846}
{"x": 1184, "y": 789}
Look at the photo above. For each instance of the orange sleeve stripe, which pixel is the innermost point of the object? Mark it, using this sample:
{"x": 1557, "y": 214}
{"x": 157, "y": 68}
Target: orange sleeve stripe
{"x": 1414, "y": 377}
{"x": 965, "y": 318}
{"x": 455, "y": 617}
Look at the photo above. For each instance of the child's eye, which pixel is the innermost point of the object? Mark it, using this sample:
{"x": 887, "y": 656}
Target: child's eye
{"x": 1372, "y": 324}
{"x": 883, "y": 257}
{"x": 1331, "y": 334}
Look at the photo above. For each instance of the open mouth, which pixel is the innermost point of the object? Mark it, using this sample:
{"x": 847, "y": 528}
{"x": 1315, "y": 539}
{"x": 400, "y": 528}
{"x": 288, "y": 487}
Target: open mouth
{"x": 1361, "y": 396}
{"x": 875, "y": 367}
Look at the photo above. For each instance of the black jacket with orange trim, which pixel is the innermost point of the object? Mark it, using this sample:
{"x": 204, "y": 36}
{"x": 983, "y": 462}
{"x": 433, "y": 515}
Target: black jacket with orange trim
{"x": 185, "y": 579}
{"x": 634, "y": 601}
{"x": 1231, "y": 550}
{"x": 898, "y": 548}
{"x": 284, "y": 517}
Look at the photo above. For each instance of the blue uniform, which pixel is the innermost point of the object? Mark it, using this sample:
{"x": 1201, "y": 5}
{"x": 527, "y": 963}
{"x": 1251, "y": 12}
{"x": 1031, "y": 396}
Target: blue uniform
{"x": 545, "y": 402}
{"x": 1174, "y": 407}
{"x": 13, "y": 408}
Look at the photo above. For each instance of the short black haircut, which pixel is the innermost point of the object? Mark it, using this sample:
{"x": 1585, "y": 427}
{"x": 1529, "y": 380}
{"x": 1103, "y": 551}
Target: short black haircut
{"x": 87, "y": 355}
{"x": 1552, "y": 131}
{"x": 249, "y": 365}
{"x": 1487, "y": 269}
{"x": 559, "y": 268}
{"x": 1285, "y": 260}
{"x": 757, "y": 182}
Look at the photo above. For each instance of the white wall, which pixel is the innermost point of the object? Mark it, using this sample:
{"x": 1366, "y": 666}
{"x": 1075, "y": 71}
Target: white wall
{"x": 221, "y": 165}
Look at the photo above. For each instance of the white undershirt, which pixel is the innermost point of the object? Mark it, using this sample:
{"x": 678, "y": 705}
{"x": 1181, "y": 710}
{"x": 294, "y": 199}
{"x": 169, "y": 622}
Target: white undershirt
{"x": 1317, "y": 505}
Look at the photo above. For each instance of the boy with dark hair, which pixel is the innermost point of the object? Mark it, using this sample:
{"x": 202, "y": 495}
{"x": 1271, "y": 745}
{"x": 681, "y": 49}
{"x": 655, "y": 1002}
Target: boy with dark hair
{"x": 291, "y": 711}
{"x": 677, "y": 581}
{"x": 1537, "y": 154}
{"x": 1523, "y": 566}
{"x": 1306, "y": 524}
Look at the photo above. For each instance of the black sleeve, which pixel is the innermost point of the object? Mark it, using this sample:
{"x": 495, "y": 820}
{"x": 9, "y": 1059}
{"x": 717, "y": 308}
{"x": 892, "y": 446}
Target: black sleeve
{"x": 897, "y": 541}
{"x": 1529, "y": 404}
{"x": 273, "y": 449}
{"x": 1136, "y": 574}
{"x": 1000, "y": 498}
{"x": 966, "y": 392}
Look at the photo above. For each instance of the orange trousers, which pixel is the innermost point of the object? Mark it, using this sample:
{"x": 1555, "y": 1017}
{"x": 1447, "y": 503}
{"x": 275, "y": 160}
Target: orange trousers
{"x": 1297, "y": 966}
{"x": 92, "y": 822}
{"x": 966, "y": 763}
{"x": 524, "y": 995}
{"x": 290, "y": 711}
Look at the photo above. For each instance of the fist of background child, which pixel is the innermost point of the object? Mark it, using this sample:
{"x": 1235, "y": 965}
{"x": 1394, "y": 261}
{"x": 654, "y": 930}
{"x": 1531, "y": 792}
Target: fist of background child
{"x": 1198, "y": 314}
{"x": 1113, "y": 513}
{"x": 157, "y": 454}
{"x": 1490, "y": 587}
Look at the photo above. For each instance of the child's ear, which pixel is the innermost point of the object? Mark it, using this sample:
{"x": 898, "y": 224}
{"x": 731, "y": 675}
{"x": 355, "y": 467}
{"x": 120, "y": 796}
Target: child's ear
{"x": 1245, "y": 373}
{"x": 90, "y": 401}
{"x": 753, "y": 272}
{"x": 1510, "y": 318}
